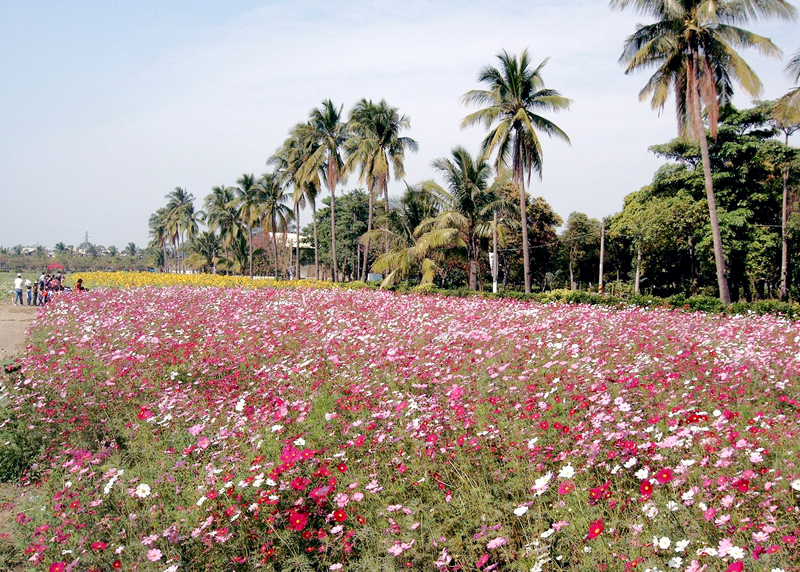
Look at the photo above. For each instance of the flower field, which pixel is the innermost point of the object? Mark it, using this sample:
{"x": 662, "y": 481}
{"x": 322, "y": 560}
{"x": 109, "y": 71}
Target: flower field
{"x": 160, "y": 279}
{"x": 185, "y": 428}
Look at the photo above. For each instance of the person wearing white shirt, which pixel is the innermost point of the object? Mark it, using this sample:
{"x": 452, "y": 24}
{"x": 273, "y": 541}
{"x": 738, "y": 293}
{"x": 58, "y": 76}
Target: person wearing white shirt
{"x": 18, "y": 289}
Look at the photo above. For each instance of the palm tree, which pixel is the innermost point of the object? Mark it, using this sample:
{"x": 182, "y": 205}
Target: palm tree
{"x": 466, "y": 206}
{"x": 276, "y": 215}
{"x": 130, "y": 249}
{"x": 182, "y": 217}
{"x": 515, "y": 97}
{"x": 159, "y": 231}
{"x": 329, "y": 134}
{"x": 786, "y": 118}
{"x": 692, "y": 46}
{"x": 376, "y": 146}
{"x": 790, "y": 103}
{"x": 205, "y": 249}
{"x": 406, "y": 253}
{"x": 248, "y": 207}
{"x": 221, "y": 215}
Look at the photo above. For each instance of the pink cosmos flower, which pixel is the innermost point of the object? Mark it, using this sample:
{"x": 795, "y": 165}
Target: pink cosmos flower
{"x": 497, "y": 542}
{"x": 203, "y": 442}
{"x": 154, "y": 555}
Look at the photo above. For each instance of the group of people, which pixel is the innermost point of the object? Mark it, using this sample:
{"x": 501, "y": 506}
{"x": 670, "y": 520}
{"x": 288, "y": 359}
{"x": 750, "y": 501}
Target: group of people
{"x": 40, "y": 291}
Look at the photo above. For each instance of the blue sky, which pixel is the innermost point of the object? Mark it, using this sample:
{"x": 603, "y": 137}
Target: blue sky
{"x": 109, "y": 105}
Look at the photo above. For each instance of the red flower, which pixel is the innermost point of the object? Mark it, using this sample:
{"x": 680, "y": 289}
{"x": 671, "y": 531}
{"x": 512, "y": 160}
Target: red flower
{"x": 565, "y": 488}
{"x": 297, "y": 520}
{"x": 595, "y": 528}
{"x": 646, "y": 488}
{"x": 116, "y": 565}
{"x": 737, "y": 566}
{"x": 57, "y": 567}
{"x": 99, "y": 545}
{"x": 212, "y": 494}
{"x": 342, "y": 467}
{"x": 339, "y": 515}
{"x": 299, "y": 483}
{"x": 664, "y": 476}
{"x": 742, "y": 485}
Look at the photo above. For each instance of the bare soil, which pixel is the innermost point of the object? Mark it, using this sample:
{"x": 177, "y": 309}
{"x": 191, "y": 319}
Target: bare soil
{"x": 14, "y": 322}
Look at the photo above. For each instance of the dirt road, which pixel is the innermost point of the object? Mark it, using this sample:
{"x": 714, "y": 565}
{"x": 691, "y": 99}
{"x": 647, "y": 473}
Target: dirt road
{"x": 14, "y": 320}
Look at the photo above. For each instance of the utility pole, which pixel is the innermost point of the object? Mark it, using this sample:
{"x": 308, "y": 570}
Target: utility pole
{"x": 602, "y": 253}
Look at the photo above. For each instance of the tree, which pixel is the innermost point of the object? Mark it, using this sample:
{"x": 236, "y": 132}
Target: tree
{"x": 159, "y": 231}
{"x": 692, "y": 45}
{"x": 465, "y": 207}
{"x": 329, "y": 133}
{"x": 130, "y": 249}
{"x": 375, "y": 145}
{"x": 351, "y": 207}
{"x": 222, "y": 216}
{"x": 248, "y": 207}
{"x": 276, "y": 215}
{"x": 786, "y": 117}
{"x": 789, "y": 104}
{"x": 581, "y": 240}
{"x": 515, "y": 97}
{"x": 204, "y": 251}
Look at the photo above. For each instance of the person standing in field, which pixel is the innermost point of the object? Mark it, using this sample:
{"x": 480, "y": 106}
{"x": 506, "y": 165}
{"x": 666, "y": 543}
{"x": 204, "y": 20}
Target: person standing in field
{"x": 36, "y": 292}
{"x": 18, "y": 289}
{"x": 28, "y": 288}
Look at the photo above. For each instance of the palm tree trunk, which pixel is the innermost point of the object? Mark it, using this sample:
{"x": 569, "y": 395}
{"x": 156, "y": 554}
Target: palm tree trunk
{"x": 636, "y": 289}
{"x": 366, "y": 243}
{"x": 275, "y": 245}
{"x": 316, "y": 244}
{"x": 784, "y": 294}
{"x": 494, "y": 252}
{"x": 297, "y": 247}
{"x": 571, "y": 273}
{"x": 472, "y": 253}
{"x": 250, "y": 244}
{"x": 519, "y": 179}
{"x": 333, "y": 234}
{"x": 385, "y": 185}
{"x": 700, "y": 132}
{"x": 166, "y": 262}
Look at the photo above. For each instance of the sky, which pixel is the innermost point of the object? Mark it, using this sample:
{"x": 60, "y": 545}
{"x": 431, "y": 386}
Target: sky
{"x": 107, "y": 106}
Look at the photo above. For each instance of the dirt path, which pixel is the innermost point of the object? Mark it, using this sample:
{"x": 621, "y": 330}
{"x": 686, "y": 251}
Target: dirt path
{"x": 14, "y": 321}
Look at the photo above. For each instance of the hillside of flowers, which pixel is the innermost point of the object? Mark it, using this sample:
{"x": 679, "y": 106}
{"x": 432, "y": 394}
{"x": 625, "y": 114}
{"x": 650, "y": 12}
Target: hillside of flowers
{"x": 185, "y": 428}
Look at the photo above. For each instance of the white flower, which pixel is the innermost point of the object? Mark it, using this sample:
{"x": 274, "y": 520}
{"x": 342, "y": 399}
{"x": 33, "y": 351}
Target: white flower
{"x": 547, "y": 533}
{"x": 630, "y": 462}
{"x": 566, "y": 472}
{"x": 240, "y": 405}
{"x": 664, "y": 542}
{"x": 736, "y": 553}
{"x": 675, "y": 562}
{"x": 673, "y": 506}
{"x": 717, "y": 413}
{"x": 796, "y": 484}
{"x": 532, "y": 442}
{"x": 520, "y": 510}
{"x": 143, "y": 491}
{"x": 275, "y": 428}
{"x": 778, "y": 570}
{"x": 688, "y": 495}
{"x": 681, "y": 545}
{"x": 650, "y": 510}
{"x": 299, "y": 442}
{"x": 642, "y": 474}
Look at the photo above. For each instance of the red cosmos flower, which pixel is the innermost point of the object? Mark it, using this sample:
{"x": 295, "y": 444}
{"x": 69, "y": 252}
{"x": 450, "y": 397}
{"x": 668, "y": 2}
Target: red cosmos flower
{"x": 99, "y": 545}
{"x": 297, "y": 520}
{"x": 742, "y": 485}
{"x": 342, "y": 467}
{"x": 339, "y": 515}
{"x": 646, "y": 488}
{"x": 361, "y": 519}
{"x": 144, "y": 413}
{"x": 595, "y": 528}
{"x": 737, "y": 566}
{"x": 212, "y": 494}
{"x": 565, "y": 488}
{"x": 57, "y": 567}
{"x": 664, "y": 476}
{"x": 116, "y": 565}
{"x": 299, "y": 483}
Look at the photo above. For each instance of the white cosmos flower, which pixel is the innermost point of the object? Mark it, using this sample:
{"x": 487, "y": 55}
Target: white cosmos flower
{"x": 520, "y": 510}
{"x": 547, "y": 533}
{"x": 681, "y": 545}
{"x": 736, "y": 552}
{"x": 143, "y": 491}
{"x": 664, "y": 542}
{"x": 630, "y": 462}
{"x": 796, "y": 484}
{"x": 566, "y": 472}
{"x": 675, "y": 562}
{"x": 642, "y": 474}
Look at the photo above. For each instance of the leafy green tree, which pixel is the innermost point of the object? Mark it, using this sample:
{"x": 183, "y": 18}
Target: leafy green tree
{"x": 221, "y": 215}
{"x": 514, "y": 100}
{"x": 581, "y": 239}
{"x": 786, "y": 118}
{"x": 159, "y": 232}
{"x": 352, "y": 207}
{"x": 204, "y": 250}
{"x": 692, "y": 46}
{"x": 130, "y": 249}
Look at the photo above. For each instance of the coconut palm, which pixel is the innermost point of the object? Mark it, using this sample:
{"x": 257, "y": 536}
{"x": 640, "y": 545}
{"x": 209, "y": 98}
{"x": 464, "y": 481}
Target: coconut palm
{"x": 691, "y": 45}
{"x": 159, "y": 231}
{"x": 789, "y": 104}
{"x": 204, "y": 250}
{"x": 182, "y": 217}
{"x": 276, "y": 215}
{"x": 406, "y": 254}
{"x": 375, "y": 145}
{"x": 466, "y": 206}
{"x": 221, "y": 215}
{"x": 514, "y": 100}
{"x": 248, "y": 208}
{"x": 328, "y": 135}
{"x": 130, "y": 249}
